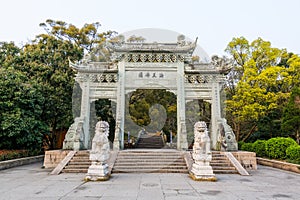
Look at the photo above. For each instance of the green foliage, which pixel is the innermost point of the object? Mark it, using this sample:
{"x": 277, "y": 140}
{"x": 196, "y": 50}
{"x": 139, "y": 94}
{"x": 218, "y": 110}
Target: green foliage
{"x": 291, "y": 116}
{"x": 36, "y": 83}
{"x": 259, "y": 147}
{"x": 247, "y": 147}
{"x": 276, "y": 147}
{"x": 293, "y": 153}
{"x": 259, "y": 86}
{"x": 21, "y": 126}
{"x": 240, "y": 144}
{"x": 105, "y": 110}
{"x": 140, "y": 115}
{"x": 86, "y": 37}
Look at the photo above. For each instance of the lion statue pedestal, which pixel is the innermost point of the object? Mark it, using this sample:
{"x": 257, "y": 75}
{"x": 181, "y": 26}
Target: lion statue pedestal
{"x": 201, "y": 169}
{"x": 98, "y": 171}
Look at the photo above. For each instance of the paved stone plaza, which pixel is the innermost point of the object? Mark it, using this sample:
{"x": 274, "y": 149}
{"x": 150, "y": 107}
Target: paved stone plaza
{"x": 33, "y": 182}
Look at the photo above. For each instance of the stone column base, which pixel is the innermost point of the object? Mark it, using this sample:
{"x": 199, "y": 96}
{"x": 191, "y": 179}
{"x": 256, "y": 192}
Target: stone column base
{"x": 97, "y": 172}
{"x": 203, "y": 177}
{"x": 202, "y": 173}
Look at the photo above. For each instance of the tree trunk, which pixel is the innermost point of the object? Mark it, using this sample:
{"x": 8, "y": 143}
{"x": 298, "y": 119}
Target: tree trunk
{"x": 237, "y": 130}
{"x": 249, "y": 133}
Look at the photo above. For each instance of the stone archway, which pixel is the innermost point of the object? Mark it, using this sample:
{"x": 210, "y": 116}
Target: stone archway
{"x": 145, "y": 66}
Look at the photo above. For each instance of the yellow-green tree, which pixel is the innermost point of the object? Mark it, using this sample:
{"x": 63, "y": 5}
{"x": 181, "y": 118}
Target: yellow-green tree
{"x": 259, "y": 84}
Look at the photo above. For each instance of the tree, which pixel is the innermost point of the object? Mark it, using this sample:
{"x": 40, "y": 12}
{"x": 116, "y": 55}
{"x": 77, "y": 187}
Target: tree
{"x": 8, "y": 53}
{"x": 291, "y": 116}
{"x": 87, "y": 37}
{"x": 45, "y": 60}
{"x": 256, "y": 86}
{"x": 37, "y": 82}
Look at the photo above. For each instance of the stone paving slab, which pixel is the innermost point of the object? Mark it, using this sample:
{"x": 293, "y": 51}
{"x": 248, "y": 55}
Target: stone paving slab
{"x": 32, "y": 182}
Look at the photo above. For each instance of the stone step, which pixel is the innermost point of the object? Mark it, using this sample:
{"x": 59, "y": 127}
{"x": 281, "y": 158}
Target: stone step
{"x": 77, "y": 167}
{"x": 149, "y": 141}
{"x": 220, "y": 164}
{"x": 150, "y": 153}
{"x": 218, "y": 161}
{"x": 80, "y": 163}
{"x": 147, "y": 161}
{"x": 223, "y": 167}
{"x": 155, "y": 159}
{"x": 143, "y": 164}
{"x": 148, "y": 147}
{"x": 75, "y": 170}
{"x": 225, "y": 171}
{"x": 155, "y": 166}
{"x": 151, "y": 171}
{"x": 150, "y": 157}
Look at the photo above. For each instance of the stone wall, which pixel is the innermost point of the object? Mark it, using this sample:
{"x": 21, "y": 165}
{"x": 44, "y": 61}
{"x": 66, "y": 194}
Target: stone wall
{"x": 279, "y": 165}
{"x": 247, "y": 159}
{"x": 54, "y": 157}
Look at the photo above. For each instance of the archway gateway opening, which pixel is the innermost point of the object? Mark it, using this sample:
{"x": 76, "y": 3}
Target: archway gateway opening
{"x": 149, "y": 66}
{"x": 152, "y": 112}
{"x": 103, "y": 110}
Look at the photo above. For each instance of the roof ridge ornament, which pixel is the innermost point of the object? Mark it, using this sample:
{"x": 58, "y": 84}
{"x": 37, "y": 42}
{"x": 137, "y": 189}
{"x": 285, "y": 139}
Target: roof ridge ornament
{"x": 180, "y": 46}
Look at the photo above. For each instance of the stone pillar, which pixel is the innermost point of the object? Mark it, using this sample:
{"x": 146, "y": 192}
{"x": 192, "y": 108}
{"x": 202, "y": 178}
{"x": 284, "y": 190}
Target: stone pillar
{"x": 120, "y": 111}
{"x": 215, "y": 113}
{"x": 85, "y": 109}
{"x": 182, "y": 143}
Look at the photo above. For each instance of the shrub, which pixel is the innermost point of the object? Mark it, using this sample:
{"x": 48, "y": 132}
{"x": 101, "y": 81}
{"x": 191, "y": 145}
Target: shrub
{"x": 259, "y": 146}
{"x": 293, "y": 152}
{"x": 276, "y": 147}
{"x": 247, "y": 147}
{"x": 240, "y": 144}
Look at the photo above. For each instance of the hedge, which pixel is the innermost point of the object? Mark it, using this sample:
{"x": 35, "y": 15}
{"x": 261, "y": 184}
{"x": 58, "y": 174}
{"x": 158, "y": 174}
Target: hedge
{"x": 247, "y": 147}
{"x": 293, "y": 152}
{"x": 276, "y": 147}
{"x": 259, "y": 147}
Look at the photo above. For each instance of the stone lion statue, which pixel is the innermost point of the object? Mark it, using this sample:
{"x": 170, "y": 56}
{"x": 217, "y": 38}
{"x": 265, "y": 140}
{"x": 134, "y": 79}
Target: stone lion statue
{"x": 201, "y": 148}
{"x": 100, "y": 142}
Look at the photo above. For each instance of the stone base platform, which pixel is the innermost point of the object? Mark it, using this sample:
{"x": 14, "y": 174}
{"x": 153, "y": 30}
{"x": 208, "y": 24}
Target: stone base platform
{"x": 202, "y": 177}
{"x": 246, "y": 158}
{"x": 54, "y": 157}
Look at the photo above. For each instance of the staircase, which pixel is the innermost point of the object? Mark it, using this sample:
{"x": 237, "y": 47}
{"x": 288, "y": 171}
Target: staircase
{"x": 79, "y": 163}
{"x": 150, "y": 161}
{"x": 221, "y": 164}
{"x": 150, "y": 141}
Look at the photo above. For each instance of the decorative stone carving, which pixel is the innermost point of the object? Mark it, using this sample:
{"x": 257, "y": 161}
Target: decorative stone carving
{"x": 74, "y": 138}
{"x": 198, "y": 78}
{"x": 98, "y": 171}
{"x": 201, "y": 169}
{"x": 106, "y": 78}
{"x": 157, "y": 57}
{"x": 226, "y": 137}
{"x": 223, "y": 64}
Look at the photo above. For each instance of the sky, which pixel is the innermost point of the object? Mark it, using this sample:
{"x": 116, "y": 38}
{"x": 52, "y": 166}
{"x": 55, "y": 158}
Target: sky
{"x": 214, "y": 22}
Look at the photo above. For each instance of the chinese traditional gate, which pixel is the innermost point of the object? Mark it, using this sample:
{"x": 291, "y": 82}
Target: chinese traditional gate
{"x": 145, "y": 66}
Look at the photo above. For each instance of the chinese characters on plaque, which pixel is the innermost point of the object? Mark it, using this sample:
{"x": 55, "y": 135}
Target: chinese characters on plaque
{"x": 151, "y": 75}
